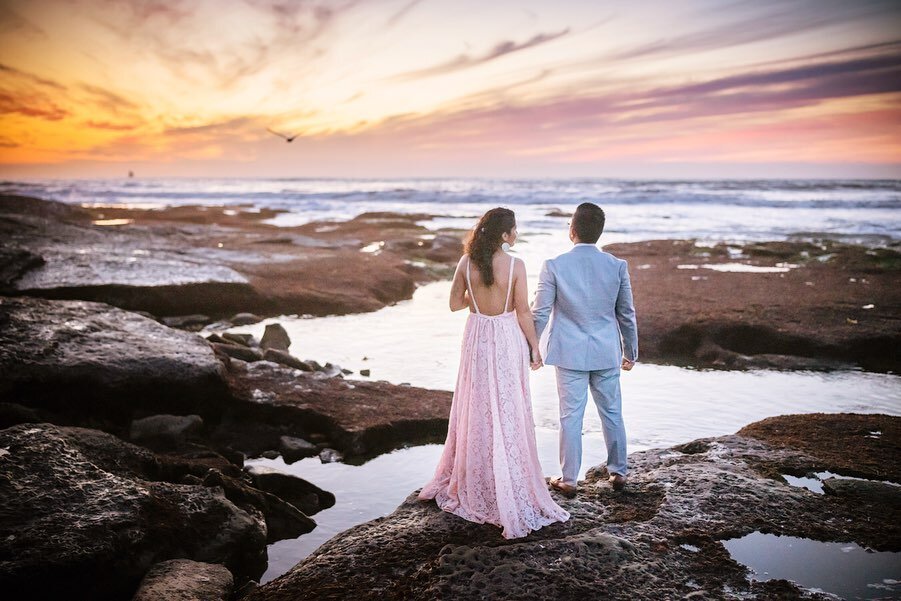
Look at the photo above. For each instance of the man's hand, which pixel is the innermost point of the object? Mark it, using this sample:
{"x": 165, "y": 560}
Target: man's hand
{"x": 535, "y": 361}
{"x": 628, "y": 365}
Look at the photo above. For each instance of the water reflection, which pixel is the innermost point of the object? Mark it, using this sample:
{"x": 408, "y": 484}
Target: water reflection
{"x": 844, "y": 569}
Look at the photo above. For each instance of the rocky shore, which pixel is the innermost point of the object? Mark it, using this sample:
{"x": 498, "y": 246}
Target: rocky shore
{"x": 809, "y": 303}
{"x": 660, "y": 538}
{"x": 216, "y": 261}
{"x": 124, "y": 444}
{"x": 124, "y": 432}
{"x": 814, "y": 302}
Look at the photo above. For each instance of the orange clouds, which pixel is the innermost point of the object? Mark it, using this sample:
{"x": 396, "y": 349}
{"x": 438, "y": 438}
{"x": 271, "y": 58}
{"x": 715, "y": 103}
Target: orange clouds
{"x": 430, "y": 88}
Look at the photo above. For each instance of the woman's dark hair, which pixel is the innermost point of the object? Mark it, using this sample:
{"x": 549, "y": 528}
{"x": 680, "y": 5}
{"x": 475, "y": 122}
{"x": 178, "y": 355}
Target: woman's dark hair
{"x": 588, "y": 222}
{"x": 485, "y": 238}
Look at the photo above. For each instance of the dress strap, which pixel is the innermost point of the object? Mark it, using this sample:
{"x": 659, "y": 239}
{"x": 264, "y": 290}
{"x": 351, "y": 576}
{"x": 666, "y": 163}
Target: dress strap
{"x": 509, "y": 285}
{"x": 469, "y": 285}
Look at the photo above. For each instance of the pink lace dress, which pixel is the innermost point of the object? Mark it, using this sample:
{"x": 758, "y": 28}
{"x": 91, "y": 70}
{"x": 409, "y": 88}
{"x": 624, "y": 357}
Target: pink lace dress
{"x": 489, "y": 470}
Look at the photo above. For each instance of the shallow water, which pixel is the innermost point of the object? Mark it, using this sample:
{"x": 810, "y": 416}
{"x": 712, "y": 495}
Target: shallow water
{"x": 844, "y": 569}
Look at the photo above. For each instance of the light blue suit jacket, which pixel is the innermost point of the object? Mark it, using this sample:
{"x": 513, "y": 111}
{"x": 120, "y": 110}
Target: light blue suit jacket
{"x": 587, "y": 296}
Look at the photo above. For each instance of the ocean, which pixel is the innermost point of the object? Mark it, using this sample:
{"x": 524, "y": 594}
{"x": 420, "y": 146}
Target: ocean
{"x": 867, "y": 211}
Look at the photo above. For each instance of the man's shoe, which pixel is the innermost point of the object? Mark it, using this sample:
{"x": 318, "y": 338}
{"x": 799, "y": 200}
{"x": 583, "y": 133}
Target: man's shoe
{"x": 565, "y": 489}
{"x": 618, "y": 481}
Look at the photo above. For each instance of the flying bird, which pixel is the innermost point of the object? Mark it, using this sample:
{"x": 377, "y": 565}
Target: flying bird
{"x": 288, "y": 139}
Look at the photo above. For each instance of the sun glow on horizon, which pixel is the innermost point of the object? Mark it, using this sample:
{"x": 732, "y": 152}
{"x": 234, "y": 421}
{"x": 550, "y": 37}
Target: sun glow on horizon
{"x": 431, "y": 87}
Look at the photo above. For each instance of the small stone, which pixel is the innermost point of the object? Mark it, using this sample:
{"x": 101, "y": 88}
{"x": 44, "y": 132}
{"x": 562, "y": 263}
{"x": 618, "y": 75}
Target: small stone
{"x": 365, "y": 372}
{"x": 346, "y": 372}
{"x": 245, "y": 319}
{"x": 285, "y": 358}
{"x": 238, "y": 352}
{"x": 185, "y": 579}
{"x": 165, "y": 428}
{"x": 275, "y": 337}
{"x": 242, "y": 339}
{"x": 294, "y": 448}
{"x": 307, "y": 497}
{"x": 330, "y": 456}
{"x": 270, "y": 454}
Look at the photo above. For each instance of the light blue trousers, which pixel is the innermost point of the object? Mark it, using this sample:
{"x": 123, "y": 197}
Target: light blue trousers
{"x": 572, "y": 388}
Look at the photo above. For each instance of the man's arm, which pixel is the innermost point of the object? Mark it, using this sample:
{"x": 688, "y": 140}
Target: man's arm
{"x": 545, "y": 295}
{"x": 625, "y": 316}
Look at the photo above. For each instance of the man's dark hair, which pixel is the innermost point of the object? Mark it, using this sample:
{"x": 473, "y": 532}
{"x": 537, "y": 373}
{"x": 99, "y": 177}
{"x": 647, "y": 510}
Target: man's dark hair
{"x": 588, "y": 222}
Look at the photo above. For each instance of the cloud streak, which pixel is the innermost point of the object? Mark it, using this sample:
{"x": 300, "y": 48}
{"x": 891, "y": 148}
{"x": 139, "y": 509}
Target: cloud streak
{"x": 465, "y": 61}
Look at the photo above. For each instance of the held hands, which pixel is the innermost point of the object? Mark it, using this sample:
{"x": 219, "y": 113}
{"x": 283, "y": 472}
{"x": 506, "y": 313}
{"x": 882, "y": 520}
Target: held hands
{"x": 535, "y": 361}
{"x": 627, "y": 365}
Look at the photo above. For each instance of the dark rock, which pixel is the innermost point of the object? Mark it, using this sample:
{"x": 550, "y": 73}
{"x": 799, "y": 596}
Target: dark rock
{"x": 631, "y": 540}
{"x": 244, "y": 590}
{"x": 294, "y": 449}
{"x": 241, "y": 339}
{"x": 83, "y": 360}
{"x": 245, "y": 319}
{"x": 183, "y": 579}
{"x": 271, "y": 454}
{"x": 365, "y": 372}
{"x": 346, "y": 372}
{"x": 444, "y": 249}
{"x": 330, "y": 456}
{"x": 171, "y": 429}
{"x": 129, "y": 268}
{"x": 558, "y": 213}
{"x": 865, "y": 490}
{"x": 188, "y": 322}
{"x": 275, "y": 337}
{"x": 78, "y": 516}
{"x": 217, "y": 338}
{"x": 360, "y": 418}
{"x": 307, "y": 497}
{"x": 238, "y": 352}
{"x": 287, "y": 359}
{"x": 13, "y": 413}
{"x": 14, "y": 263}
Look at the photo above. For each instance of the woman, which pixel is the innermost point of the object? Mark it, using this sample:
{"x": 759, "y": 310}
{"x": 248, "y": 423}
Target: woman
{"x": 489, "y": 470}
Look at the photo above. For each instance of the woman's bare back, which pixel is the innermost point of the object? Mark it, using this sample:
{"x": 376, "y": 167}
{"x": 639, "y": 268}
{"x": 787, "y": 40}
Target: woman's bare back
{"x": 490, "y": 299}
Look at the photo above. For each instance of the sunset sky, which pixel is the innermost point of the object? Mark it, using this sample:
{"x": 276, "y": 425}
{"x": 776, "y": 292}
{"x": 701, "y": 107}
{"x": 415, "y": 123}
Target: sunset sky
{"x": 396, "y": 88}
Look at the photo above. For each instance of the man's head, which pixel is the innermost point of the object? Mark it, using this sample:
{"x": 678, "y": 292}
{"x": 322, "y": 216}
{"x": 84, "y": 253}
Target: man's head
{"x": 587, "y": 223}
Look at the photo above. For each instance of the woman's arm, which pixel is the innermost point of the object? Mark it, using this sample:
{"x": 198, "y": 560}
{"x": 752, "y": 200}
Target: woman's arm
{"x": 459, "y": 297}
{"x": 523, "y": 312}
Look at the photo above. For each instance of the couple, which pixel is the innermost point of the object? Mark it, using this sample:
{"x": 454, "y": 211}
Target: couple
{"x": 489, "y": 470}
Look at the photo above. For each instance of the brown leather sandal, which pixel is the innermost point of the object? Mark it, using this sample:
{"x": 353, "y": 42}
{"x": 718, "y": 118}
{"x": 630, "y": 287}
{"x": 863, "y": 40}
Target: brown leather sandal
{"x": 565, "y": 489}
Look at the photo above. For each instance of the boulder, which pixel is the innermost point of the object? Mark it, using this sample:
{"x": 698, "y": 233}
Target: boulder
{"x": 307, "y": 497}
{"x": 294, "y": 448}
{"x": 92, "y": 361}
{"x": 275, "y": 337}
{"x": 185, "y": 580}
{"x": 80, "y": 515}
{"x": 171, "y": 429}
{"x": 285, "y": 358}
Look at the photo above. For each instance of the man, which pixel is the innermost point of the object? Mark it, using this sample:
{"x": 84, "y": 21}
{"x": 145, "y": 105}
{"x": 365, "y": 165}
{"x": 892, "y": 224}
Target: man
{"x": 587, "y": 295}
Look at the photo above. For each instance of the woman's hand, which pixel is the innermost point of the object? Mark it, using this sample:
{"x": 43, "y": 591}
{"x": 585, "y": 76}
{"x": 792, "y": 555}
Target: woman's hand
{"x": 535, "y": 361}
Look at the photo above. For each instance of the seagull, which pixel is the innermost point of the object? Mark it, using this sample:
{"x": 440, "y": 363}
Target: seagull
{"x": 288, "y": 139}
